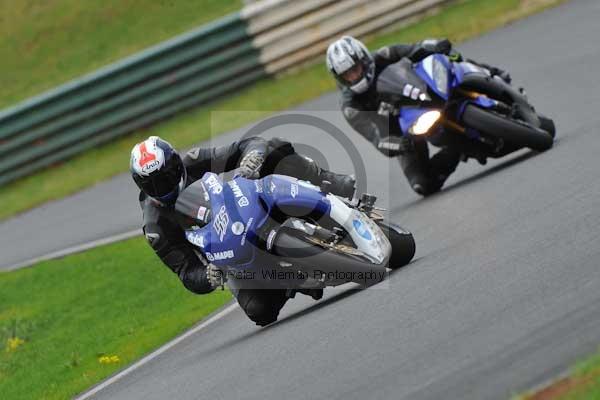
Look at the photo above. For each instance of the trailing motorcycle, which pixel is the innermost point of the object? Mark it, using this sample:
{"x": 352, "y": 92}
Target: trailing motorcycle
{"x": 460, "y": 104}
{"x": 280, "y": 232}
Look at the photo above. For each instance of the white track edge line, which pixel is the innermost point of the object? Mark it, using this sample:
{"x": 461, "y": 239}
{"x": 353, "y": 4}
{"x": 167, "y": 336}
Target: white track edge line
{"x": 157, "y": 352}
{"x": 74, "y": 249}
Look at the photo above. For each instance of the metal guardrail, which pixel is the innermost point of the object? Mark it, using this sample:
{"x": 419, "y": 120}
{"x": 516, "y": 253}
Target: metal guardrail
{"x": 290, "y": 31}
{"x": 188, "y": 70}
{"x": 266, "y": 37}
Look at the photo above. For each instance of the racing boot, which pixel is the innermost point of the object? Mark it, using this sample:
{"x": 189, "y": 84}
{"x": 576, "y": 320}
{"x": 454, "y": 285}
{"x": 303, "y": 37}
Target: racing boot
{"x": 305, "y": 168}
{"x": 316, "y": 294}
{"x": 494, "y": 71}
{"x": 340, "y": 184}
{"x": 504, "y": 75}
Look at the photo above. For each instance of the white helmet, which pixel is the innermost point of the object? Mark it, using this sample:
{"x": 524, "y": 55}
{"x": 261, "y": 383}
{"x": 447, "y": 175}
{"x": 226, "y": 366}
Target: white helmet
{"x": 351, "y": 64}
{"x": 157, "y": 169}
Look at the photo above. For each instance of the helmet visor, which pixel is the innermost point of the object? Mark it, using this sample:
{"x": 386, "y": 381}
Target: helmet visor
{"x": 163, "y": 182}
{"x": 353, "y": 75}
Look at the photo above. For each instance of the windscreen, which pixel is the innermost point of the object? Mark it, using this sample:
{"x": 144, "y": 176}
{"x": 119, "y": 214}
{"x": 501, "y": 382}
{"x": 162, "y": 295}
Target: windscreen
{"x": 399, "y": 83}
{"x": 193, "y": 206}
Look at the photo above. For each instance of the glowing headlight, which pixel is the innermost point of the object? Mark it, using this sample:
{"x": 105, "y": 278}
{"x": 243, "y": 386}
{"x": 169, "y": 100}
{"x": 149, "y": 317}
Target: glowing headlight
{"x": 425, "y": 122}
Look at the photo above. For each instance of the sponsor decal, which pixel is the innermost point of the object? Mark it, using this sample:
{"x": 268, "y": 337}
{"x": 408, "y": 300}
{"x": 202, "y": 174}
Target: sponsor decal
{"x": 237, "y": 192}
{"x": 361, "y": 229}
{"x": 148, "y": 161}
{"x": 151, "y": 167}
{"x": 201, "y": 213}
{"x": 220, "y": 255}
{"x": 243, "y": 201}
{"x": 237, "y": 228}
{"x": 272, "y": 187}
{"x": 259, "y": 186}
{"x": 221, "y": 222}
{"x": 248, "y": 224}
{"x": 214, "y": 185}
{"x": 195, "y": 238}
{"x": 294, "y": 190}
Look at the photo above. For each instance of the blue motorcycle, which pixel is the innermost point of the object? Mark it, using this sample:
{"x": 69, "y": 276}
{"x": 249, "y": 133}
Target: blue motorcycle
{"x": 460, "y": 104}
{"x": 280, "y": 232}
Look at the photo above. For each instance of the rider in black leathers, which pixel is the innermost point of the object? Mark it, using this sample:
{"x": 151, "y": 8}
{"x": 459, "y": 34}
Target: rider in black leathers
{"x": 355, "y": 69}
{"x": 161, "y": 174}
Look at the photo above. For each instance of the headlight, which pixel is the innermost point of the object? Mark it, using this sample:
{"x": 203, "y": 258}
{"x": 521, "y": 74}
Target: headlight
{"x": 424, "y": 123}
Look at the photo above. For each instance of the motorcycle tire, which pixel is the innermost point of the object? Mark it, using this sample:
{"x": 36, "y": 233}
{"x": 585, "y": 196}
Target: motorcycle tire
{"x": 514, "y": 132}
{"x": 403, "y": 245}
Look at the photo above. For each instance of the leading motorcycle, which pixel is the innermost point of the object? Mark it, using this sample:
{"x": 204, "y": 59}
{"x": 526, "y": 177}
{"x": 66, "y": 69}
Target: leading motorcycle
{"x": 281, "y": 232}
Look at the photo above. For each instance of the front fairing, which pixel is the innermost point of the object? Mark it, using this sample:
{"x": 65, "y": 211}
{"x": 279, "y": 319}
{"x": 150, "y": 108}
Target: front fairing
{"x": 442, "y": 77}
{"x": 399, "y": 84}
{"x": 436, "y": 71}
{"x": 241, "y": 207}
{"x": 229, "y": 237}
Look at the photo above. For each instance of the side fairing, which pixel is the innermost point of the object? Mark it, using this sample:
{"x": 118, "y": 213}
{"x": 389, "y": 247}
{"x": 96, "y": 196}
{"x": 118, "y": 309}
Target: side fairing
{"x": 228, "y": 238}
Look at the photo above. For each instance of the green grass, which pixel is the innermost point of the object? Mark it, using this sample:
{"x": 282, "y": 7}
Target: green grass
{"x": 115, "y": 300}
{"x": 583, "y": 383}
{"x": 459, "y": 21}
{"x": 46, "y": 43}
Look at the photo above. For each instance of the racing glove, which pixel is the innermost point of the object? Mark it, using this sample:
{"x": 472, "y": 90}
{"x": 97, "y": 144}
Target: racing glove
{"x": 250, "y": 165}
{"x": 455, "y": 56}
{"x": 393, "y": 146}
{"x": 442, "y": 46}
{"x": 215, "y": 276}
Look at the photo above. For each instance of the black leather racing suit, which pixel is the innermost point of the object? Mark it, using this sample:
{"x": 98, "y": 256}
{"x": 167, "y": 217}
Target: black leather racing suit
{"x": 168, "y": 239}
{"x": 360, "y": 110}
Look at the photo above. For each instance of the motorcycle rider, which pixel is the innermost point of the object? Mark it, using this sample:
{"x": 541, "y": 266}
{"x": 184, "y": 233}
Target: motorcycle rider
{"x": 355, "y": 69}
{"x": 161, "y": 174}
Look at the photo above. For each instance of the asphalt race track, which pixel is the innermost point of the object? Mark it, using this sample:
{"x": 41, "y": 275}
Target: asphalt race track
{"x": 504, "y": 292}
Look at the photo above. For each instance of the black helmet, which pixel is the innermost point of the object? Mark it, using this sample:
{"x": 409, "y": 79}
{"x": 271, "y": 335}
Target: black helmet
{"x": 157, "y": 169}
{"x": 351, "y": 64}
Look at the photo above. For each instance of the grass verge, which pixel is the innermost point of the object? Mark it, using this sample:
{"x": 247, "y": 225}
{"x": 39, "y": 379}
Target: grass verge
{"x": 457, "y": 21}
{"x": 67, "y": 324}
{"x": 46, "y": 43}
{"x": 582, "y": 384}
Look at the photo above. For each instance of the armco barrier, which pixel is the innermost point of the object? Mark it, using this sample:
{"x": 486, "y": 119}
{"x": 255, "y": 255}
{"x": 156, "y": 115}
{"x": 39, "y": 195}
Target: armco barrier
{"x": 266, "y": 37}
{"x": 190, "y": 69}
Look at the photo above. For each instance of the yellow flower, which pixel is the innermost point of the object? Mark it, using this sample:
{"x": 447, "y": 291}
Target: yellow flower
{"x": 109, "y": 359}
{"x": 13, "y": 343}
